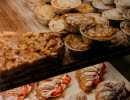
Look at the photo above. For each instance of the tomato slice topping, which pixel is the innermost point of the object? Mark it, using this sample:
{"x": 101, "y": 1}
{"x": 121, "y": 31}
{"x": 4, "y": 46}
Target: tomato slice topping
{"x": 58, "y": 91}
{"x": 66, "y": 80}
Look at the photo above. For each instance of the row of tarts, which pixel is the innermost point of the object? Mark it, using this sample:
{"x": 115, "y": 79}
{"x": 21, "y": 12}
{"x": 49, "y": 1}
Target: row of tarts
{"x": 88, "y": 78}
{"x": 81, "y": 22}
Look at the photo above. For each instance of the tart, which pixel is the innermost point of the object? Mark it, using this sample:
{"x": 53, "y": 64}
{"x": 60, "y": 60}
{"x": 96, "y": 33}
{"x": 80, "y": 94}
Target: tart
{"x": 90, "y": 76}
{"x": 32, "y": 3}
{"x": 84, "y": 8}
{"x": 76, "y": 18}
{"x": 44, "y": 13}
{"x": 76, "y": 42}
{"x": 112, "y": 90}
{"x": 66, "y": 4}
{"x": 29, "y": 49}
{"x": 58, "y": 25}
{"x": 76, "y": 45}
{"x": 97, "y": 31}
{"x": 119, "y": 40}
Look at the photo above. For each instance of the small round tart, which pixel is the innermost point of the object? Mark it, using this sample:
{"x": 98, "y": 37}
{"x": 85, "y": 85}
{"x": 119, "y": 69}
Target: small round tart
{"x": 45, "y": 11}
{"x": 118, "y": 40}
{"x": 34, "y": 2}
{"x": 125, "y": 26}
{"x": 58, "y": 25}
{"x": 66, "y": 4}
{"x": 76, "y": 18}
{"x": 100, "y": 5}
{"x": 98, "y": 18}
{"x": 84, "y": 8}
{"x": 98, "y": 31}
{"x": 127, "y": 14}
{"x": 125, "y": 3}
{"x": 75, "y": 42}
{"x": 113, "y": 14}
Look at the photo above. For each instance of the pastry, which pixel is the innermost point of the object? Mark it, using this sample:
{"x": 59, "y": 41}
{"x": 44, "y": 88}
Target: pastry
{"x": 90, "y": 76}
{"x": 84, "y": 8}
{"x": 58, "y": 25}
{"x": 44, "y": 13}
{"x": 66, "y": 4}
{"x": 17, "y": 93}
{"x": 29, "y": 48}
{"x": 33, "y": 3}
{"x": 52, "y": 87}
{"x": 111, "y": 90}
{"x": 76, "y": 42}
{"x": 76, "y": 45}
{"x": 98, "y": 32}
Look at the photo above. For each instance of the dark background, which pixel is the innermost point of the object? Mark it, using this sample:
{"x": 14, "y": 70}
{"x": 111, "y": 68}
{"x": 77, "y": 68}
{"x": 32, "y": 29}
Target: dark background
{"x": 122, "y": 64}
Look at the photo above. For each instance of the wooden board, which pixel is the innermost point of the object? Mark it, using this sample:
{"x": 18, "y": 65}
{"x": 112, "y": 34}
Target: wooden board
{"x": 111, "y": 74}
{"x": 15, "y": 16}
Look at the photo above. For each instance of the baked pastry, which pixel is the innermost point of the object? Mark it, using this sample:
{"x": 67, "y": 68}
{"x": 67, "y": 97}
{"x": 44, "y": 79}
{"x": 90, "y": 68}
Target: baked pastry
{"x": 44, "y": 13}
{"x": 32, "y": 3}
{"x": 113, "y": 14}
{"x": 111, "y": 90}
{"x": 90, "y": 76}
{"x": 98, "y": 31}
{"x": 29, "y": 48}
{"x": 52, "y": 87}
{"x": 17, "y": 93}
{"x": 76, "y": 18}
{"x": 66, "y": 4}
{"x": 76, "y": 42}
{"x": 58, "y": 25}
{"x": 84, "y": 8}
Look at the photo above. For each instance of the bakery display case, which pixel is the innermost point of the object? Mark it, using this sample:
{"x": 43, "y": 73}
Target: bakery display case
{"x": 64, "y": 49}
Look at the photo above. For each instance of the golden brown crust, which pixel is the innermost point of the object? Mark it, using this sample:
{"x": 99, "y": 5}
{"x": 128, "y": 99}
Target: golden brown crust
{"x": 109, "y": 90}
{"x": 67, "y": 4}
{"x": 29, "y": 48}
{"x": 88, "y": 75}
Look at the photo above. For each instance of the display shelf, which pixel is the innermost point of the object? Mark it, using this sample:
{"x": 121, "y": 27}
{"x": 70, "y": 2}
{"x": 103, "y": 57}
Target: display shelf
{"x": 16, "y": 17}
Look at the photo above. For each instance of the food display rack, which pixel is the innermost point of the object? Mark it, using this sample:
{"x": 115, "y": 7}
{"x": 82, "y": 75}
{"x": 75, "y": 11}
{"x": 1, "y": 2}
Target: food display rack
{"x": 16, "y": 17}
